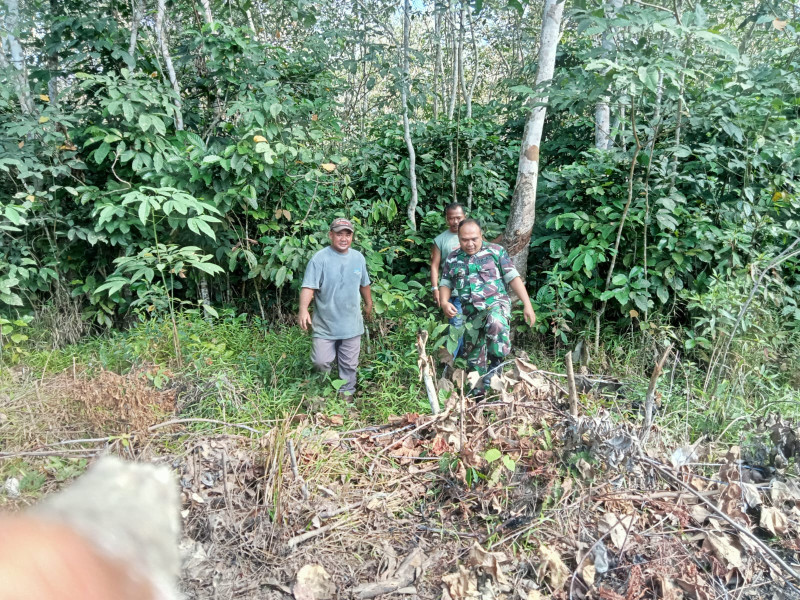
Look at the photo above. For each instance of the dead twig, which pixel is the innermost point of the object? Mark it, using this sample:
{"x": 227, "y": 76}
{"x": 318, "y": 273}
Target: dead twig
{"x": 295, "y": 471}
{"x": 650, "y": 397}
{"x": 199, "y": 420}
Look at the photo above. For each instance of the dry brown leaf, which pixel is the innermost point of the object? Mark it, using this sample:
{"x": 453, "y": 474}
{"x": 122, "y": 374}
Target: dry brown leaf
{"x": 488, "y": 561}
{"x": 461, "y": 584}
{"x": 669, "y": 589}
{"x": 779, "y": 25}
{"x": 699, "y": 513}
{"x": 726, "y": 548}
{"x": 313, "y": 583}
{"x": 783, "y": 492}
{"x": 588, "y": 573}
{"x": 259, "y": 138}
{"x": 751, "y": 495}
{"x": 439, "y": 446}
{"x": 473, "y": 377}
{"x": 730, "y": 502}
{"x": 617, "y": 527}
{"x": 774, "y": 520}
{"x": 329, "y": 167}
{"x": 552, "y": 566}
{"x": 584, "y": 468}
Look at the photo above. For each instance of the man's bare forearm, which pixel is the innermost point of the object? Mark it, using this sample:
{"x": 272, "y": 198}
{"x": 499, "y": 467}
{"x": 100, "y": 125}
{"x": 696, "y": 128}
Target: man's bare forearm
{"x": 519, "y": 289}
{"x": 306, "y": 296}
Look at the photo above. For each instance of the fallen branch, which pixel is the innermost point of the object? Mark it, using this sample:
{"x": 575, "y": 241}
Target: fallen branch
{"x": 426, "y": 371}
{"x": 573, "y": 394}
{"x": 199, "y": 420}
{"x": 303, "y": 537}
{"x": 75, "y": 453}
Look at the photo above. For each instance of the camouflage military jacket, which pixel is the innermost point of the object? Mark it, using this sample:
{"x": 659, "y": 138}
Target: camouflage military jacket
{"x": 479, "y": 280}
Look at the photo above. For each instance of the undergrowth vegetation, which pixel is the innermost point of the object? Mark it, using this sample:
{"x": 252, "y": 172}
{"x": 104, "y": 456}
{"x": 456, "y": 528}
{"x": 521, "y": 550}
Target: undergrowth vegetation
{"x": 235, "y": 370}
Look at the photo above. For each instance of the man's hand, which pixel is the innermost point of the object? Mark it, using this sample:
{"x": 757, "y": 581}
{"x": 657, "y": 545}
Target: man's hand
{"x": 449, "y": 310}
{"x": 304, "y": 319}
{"x": 530, "y": 316}
{"x": 436, "y": 297}
{"x": 368, "y": 312}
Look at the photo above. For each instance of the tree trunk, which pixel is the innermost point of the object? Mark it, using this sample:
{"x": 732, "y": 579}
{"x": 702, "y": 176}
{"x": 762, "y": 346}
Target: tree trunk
{"x": 18, "y": 70}
{"x": 412, "y": 156}
{"x": 458, "y": 46}
{"x": 207, "y": 12}
{"x": 678, "y": 117}
{"x": 53, "y": 87}
{"x": 517, "y": 235}
{"x": 205, "y": 295}
{"x": 136, "y": 16}
{"x": 454, "y": 82}
{"x": 161, "y": 34}
{"x": 438, "y": 67}
{"x": 468, "y": 93}
{"x": 250, "y": 22}
{"x": 602, "y": 112}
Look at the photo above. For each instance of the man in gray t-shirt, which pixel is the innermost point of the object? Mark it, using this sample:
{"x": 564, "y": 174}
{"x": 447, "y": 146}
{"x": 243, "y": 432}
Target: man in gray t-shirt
{"x": 336, "y": 279}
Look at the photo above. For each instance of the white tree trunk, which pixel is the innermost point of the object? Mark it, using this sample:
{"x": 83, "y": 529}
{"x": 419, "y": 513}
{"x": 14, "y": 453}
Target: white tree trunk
{"x": 468, "y": 94}
{"x": 517, "y": 235}
{"x": 251, "y": 23}
{"x": 164, "y": 48}
{"x": 457, "y": 44}
{"x": 412, "y": 156}
{"x": 678, "y": 118}
{"x": 19, "y": 71}
{"x": 602, "y": 112}
{"x": 438, "y": 67}
{"x": 207, "y": 11}
{"x": 136, "y": 16}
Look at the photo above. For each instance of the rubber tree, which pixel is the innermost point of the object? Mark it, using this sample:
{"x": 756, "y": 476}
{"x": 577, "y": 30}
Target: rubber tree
{"x": 518, "y": 230}
{"x": 16, "y": 67}
{"x": 602, "y": 111}
{"x": 163, "y": 45}
{"x": 412, "y": 156}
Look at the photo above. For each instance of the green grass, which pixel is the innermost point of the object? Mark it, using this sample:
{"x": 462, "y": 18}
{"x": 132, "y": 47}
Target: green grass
{"x": 237, "y": 371}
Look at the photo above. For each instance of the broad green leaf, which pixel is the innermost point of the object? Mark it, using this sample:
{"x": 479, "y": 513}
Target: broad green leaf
{"x": 11, "y": 299}
{"x": 492, "y": 454}
{"x": 13, "y": 215}
{"x": 144, "y": 211}
{"x": 127, "y": 110}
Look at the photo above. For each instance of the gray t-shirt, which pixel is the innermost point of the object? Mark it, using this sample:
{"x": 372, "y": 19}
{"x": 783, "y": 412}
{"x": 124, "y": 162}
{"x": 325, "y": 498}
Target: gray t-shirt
{"x": 336, "y": 279}
{"x": 446, "y": 242}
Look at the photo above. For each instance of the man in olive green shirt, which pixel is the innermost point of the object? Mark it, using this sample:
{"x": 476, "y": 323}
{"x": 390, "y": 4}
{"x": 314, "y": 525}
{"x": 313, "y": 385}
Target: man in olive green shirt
{"x": 445, "y": 243}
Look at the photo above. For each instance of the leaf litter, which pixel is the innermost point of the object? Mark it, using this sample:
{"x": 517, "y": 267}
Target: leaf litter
{"x": 508, "y": 499}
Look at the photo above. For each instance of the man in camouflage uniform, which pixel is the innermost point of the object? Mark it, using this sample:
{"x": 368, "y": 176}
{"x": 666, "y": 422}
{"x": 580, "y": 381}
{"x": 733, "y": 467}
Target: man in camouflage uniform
{"x": 479, "y": 274}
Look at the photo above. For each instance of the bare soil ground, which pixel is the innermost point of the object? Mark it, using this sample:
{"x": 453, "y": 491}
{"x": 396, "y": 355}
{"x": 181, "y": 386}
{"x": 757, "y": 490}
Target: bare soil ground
{"x": 510, "y": 498}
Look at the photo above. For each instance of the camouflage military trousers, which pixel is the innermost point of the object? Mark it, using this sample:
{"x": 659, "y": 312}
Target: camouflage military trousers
{"x": 489, "y": 340}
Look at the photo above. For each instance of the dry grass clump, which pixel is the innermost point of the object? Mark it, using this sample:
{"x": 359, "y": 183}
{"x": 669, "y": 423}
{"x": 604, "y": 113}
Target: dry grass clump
{"x": 121, "y": 403}
{"x": 71, "y": 405}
